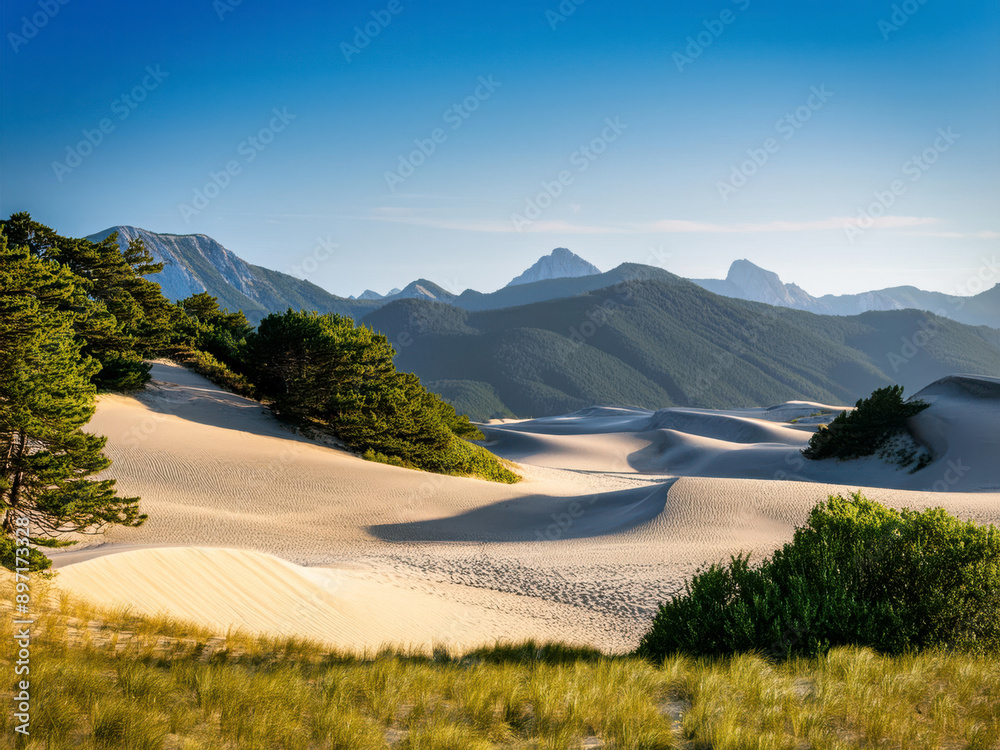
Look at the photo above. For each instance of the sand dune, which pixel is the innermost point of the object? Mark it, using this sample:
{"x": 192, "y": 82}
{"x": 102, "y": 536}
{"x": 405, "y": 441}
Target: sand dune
{"x": 961, "y": 426}
{"x": 261, "y": 594}
{"x": 722, "y": 426}
{"x": 601, "y": 530}
{"x": 527, "y": 518}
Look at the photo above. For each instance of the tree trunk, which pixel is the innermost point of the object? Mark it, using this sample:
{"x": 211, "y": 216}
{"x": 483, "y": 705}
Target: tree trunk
{"x": 15, "y": 486}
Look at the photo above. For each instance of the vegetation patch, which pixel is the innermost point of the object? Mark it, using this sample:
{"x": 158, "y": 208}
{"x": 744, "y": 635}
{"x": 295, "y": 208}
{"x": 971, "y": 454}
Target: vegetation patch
{"x": 858, "y": 573}
{"x": 111, "y": 679}
{"x": 325, "y": 370}
{"x": 215, "y": 371}
{"x": 876, "y": 426}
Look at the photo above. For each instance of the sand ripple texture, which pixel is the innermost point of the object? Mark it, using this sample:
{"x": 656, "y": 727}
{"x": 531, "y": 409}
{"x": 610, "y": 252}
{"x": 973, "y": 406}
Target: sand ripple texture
{"x": 256, "y": 527}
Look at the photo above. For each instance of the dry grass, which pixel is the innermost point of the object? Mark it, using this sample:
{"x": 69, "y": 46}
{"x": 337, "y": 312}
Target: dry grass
{"x": 114, "y": 680}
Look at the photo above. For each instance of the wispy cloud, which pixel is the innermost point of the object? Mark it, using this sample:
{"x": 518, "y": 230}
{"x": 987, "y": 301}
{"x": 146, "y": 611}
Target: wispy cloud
{"x": 984, "y": 235}
{"x": 663, "y": 226}
{"x": 403, "y": 216}
{"x": 681, "y": 226}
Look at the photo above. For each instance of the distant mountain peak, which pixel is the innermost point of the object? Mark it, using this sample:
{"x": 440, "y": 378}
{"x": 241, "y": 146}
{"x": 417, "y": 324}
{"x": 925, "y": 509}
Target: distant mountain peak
{"x": 760, "y": 285}
{"x": 748, "y": 281}
{"x": 194, "y": 263}
{"x": 742, "y": 271}
{"x": 561, "y": 263}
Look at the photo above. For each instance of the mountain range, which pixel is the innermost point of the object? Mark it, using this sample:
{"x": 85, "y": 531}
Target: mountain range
{"x": 633, "y": 336}
{"x": 656, "y": 340}
{"x": 195, "y": 263}
{"x": 750, "y": 282}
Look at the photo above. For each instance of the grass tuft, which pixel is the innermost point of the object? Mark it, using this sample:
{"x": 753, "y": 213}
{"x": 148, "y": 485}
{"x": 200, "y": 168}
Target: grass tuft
{"x": 132, "y": 682}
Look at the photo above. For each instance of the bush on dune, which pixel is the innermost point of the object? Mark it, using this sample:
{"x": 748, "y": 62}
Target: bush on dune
{"x": 867, "y": 430}
{"x": 460, "y": 458}
{"x": 217, "y": 372}
{"x": 857, "y": 573}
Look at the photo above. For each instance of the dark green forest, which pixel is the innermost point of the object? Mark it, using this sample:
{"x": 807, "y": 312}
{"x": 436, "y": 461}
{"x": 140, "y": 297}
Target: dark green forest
{"x": 663, "y": 341}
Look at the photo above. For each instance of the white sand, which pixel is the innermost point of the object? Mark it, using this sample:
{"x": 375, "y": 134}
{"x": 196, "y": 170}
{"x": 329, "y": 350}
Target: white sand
{"x": 617, "y": 508}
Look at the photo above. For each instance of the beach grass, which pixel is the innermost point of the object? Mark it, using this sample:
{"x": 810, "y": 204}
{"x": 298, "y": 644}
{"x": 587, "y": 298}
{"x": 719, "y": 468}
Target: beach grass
{"x": 113, "y": 679}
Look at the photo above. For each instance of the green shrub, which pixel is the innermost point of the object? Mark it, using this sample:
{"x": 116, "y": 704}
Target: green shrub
{"x": 857, "y": 573}
{"x": 218, "y": 372}
{"x": 381, "y": 458}
{"x": 459, "y": 458}
{"x": 215, "y": 330}
{"x": 868, "y": 429}
{"x": 462, "y": 458}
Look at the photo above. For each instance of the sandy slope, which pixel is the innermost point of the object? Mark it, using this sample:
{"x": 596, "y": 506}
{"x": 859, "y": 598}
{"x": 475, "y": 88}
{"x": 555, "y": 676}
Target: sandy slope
{"x": 617, "y": 508}
{"x": 357, "y": 611}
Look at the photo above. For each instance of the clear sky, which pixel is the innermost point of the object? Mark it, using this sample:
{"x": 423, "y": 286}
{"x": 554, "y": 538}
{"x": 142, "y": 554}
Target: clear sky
{"x": 846, "y": 145}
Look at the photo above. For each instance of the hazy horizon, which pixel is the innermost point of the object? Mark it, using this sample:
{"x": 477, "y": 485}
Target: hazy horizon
{"x": 420, "y": 140}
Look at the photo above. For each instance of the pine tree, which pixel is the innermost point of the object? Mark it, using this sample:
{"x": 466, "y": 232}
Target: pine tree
{"x": 213, "y": 329}
{"x": 134, "y": 319}
{"x": 46, "y": 398}
{"x": 326, "y": 369}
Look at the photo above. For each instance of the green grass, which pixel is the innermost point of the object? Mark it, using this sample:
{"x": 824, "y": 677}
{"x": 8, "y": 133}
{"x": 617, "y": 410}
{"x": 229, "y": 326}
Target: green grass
{"x": 114, "y": 680}
{"x": 460, "y": 459}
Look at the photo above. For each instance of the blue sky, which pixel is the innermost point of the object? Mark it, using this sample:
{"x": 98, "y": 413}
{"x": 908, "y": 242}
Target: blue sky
{"x": 847, "y": 146}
